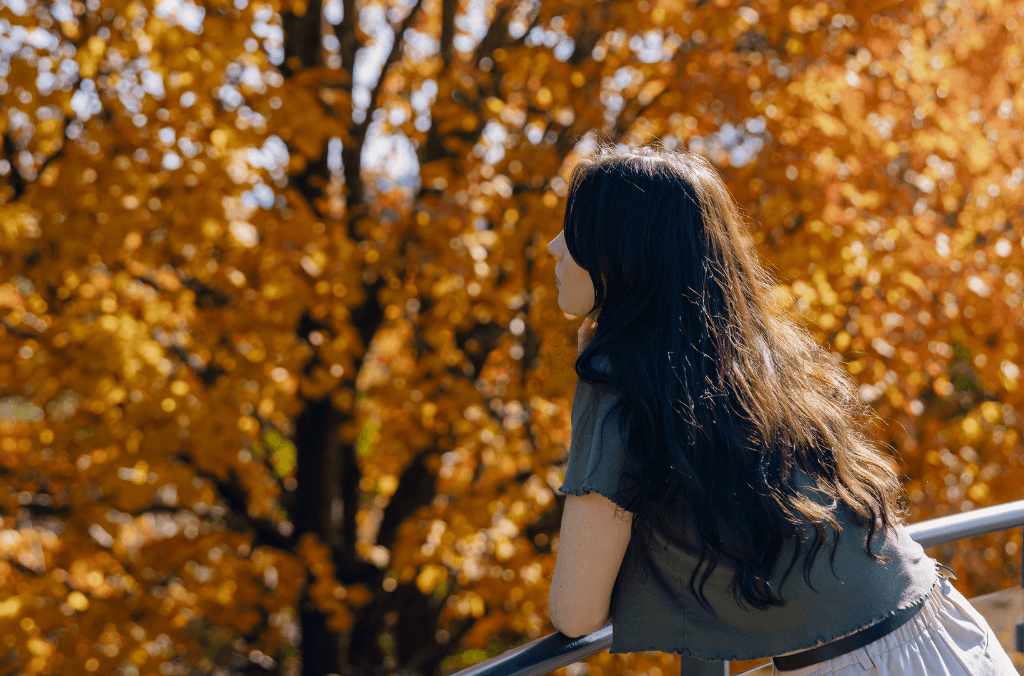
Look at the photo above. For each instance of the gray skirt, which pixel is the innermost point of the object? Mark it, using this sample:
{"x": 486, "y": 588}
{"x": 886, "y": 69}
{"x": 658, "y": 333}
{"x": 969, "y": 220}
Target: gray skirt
{"x": 948, "y": 637}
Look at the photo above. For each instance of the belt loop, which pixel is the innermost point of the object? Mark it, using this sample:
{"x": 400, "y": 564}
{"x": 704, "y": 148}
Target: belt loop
{"x": 864, "y": 659}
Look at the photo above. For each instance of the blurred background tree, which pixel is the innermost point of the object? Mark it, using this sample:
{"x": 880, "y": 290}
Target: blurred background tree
{"x": 286, "y": 384}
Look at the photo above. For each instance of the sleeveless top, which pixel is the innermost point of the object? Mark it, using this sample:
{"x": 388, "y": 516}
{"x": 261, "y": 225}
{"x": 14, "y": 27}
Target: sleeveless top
{"x": 645, "y": 619}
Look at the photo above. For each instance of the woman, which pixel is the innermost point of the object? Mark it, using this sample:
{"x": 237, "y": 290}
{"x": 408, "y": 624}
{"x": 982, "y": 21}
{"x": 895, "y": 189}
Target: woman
{"x": 714, "y": 442}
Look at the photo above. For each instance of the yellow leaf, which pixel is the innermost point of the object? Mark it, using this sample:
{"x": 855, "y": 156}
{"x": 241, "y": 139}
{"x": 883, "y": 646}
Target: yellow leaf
{"x": 89, "y": 58}
{"x": 39, "y": 647}
{"x": 10, "y": 606}
{"x": 78, "y": 601}
{"x": 972, "y": 428}
{"x": 430, "y": 576}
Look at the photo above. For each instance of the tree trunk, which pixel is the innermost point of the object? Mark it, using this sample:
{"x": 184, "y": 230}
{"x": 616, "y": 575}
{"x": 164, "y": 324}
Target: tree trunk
{"x": 319, "y": 510}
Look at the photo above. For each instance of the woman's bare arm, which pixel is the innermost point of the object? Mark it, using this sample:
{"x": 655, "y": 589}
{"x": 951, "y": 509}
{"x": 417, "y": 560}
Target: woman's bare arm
{"x": 591, "y": 545}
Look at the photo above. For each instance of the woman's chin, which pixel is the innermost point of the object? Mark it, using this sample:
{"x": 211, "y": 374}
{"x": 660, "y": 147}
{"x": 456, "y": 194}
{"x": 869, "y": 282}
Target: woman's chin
{"x": 572, "y": 312}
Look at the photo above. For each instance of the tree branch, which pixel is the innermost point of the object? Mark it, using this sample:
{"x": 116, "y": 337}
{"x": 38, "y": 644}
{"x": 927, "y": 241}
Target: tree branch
{"x": 415, "y": 489}
{"x": 231, "y": 490}
{"x": 496, "y": 36}
{"x": 396, "y": 52}
{"x": 624, "y": 121}
{"x": 347, "y": 33}
{"x": 448, "y": 10}
{"x": 18, "y": 332}
{"x": 352, "y": 156}
{"x": 302, "y": 38}
{"x": 17, "y": 181}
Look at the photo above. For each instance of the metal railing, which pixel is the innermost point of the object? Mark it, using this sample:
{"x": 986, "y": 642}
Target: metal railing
{"x": 545, "y": 654}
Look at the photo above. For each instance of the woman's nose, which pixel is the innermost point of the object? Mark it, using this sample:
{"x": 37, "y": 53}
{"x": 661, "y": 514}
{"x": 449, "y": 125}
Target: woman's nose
{"x": 556, "y": 247}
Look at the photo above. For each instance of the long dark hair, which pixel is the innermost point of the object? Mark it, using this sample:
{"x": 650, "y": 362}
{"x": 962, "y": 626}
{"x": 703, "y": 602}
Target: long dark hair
{"x": 723, "y": 397}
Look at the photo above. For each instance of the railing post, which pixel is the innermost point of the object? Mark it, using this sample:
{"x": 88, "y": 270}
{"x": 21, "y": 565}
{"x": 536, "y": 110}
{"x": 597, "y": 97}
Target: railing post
{"x": 1020, "y": 625}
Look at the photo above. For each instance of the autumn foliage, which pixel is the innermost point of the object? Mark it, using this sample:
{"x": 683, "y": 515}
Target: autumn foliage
{"x": 270, "y": 409}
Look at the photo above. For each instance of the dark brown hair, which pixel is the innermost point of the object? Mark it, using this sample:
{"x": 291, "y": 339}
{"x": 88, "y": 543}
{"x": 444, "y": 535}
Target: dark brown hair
{"x": 722, "y": 395}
